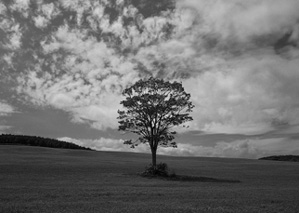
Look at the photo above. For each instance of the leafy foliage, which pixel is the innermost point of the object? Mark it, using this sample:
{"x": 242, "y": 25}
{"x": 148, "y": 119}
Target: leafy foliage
{"x": 37, "y": 141}
{"x": 153, "y": 108}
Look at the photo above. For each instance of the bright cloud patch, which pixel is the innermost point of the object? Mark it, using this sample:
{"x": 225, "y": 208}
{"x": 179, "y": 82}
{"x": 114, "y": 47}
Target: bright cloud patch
{"x": 6, "y": 109}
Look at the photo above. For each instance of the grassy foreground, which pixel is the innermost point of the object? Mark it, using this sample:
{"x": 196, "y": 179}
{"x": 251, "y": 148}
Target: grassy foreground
{"x": 36, "y": 179}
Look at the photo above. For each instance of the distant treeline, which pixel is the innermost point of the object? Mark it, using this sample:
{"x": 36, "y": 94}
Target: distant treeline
{"x": 293, "y": 158}
{"x": 8, "y": 139}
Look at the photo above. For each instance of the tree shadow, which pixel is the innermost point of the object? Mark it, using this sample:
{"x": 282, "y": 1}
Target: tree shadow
{"x": 185, "y": 178}
{"x": 201, "y": 179}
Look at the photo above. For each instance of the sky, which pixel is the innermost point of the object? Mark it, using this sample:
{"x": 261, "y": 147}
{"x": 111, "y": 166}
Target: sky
{"x": 64, "y": 64}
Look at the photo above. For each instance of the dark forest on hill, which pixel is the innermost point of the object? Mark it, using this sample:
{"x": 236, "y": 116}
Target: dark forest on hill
{"x": 293, "y": 158}
{"x": 7, "y": 139}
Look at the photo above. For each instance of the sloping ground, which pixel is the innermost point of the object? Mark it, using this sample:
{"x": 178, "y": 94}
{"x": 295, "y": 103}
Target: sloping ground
{"x": 292, "y": 158}
{"x": 37, "y": 179}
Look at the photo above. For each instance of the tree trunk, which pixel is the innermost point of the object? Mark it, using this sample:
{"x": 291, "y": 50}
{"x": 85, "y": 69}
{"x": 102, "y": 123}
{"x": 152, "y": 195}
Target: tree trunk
{"x": 154, "y": 157}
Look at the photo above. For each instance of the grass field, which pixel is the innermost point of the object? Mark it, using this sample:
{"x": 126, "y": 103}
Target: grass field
{"x": 35, "y": 179}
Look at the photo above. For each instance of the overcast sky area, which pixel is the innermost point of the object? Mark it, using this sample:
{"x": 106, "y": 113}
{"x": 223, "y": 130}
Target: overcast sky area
{"x": 64, "y": 64}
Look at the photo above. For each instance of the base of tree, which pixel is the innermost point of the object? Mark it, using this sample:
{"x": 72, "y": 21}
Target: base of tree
{"x": 161, "y": 171}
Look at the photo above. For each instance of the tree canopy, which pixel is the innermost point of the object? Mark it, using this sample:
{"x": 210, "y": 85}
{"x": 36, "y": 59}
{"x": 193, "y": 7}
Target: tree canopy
{"x": 152, "y": 107}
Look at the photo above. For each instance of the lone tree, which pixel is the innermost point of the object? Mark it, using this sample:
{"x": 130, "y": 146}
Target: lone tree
{"x": 152, "y": 108}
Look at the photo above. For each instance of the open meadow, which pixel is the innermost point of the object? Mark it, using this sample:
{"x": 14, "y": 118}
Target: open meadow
{"x": 36, "y": 179}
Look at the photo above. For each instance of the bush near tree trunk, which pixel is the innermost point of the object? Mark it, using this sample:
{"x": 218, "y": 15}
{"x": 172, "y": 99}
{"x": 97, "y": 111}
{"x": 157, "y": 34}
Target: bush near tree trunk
{"x": 160, "y": 169}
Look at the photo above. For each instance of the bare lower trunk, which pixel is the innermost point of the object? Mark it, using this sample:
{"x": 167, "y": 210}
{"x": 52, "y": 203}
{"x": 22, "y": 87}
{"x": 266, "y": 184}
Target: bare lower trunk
{"x": 154, "y": 157}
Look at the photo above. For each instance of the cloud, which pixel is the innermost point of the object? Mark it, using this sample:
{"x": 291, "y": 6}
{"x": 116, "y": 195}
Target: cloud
{"x": 2, "y": 8}
{"x": 238, "y": 60}
{"x": 40, "y": 21}
{"x": 249, "y": 148}
{"x": 6, "y": 109}
{"x": 243, "y": 20}
{"x": 89, "y": 86}
{"x": 247, "y": 97}
{"x": 21, "y": 6}
{"x": 49, "y": 10}
{"x": 3, "y": 128}
{"x": 103, "y": 144}
{"x": 13, "y": 34}
{"x": 238, "y": 81}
